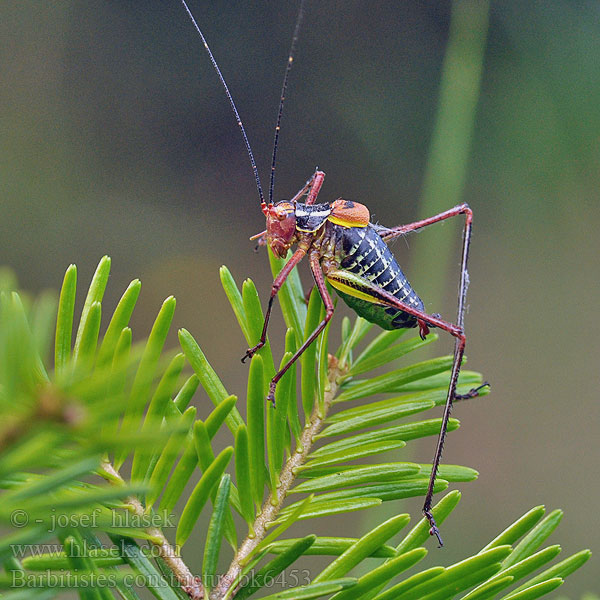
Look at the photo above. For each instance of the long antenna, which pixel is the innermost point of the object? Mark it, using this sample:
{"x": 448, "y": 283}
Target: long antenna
{"x": 233, "y": 107}
{"x": 288, "y": 68}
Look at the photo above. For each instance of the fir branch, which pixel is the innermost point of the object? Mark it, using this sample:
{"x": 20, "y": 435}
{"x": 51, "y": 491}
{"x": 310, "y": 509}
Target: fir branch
{"x": 274, "y": 502}
{"x": 169, "y": 554}
{"x": 50, "y": 441}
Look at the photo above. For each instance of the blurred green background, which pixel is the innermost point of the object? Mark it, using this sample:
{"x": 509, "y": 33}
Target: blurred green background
{"x": 117, "y": 139}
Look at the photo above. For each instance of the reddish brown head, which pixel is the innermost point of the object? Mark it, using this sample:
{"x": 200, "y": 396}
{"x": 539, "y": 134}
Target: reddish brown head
{"x": 281, "y": 227}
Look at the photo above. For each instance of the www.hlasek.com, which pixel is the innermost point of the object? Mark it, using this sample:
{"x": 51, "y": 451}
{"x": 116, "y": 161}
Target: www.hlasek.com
{"x": 85, "y": 550}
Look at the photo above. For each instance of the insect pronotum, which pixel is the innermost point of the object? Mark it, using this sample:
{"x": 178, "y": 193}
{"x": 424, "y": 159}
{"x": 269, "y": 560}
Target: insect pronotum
{"x": 345, "y": 249}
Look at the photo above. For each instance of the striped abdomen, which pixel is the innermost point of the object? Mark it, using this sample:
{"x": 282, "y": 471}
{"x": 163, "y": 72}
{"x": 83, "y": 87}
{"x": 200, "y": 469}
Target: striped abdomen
{"x": 361, "y": 251}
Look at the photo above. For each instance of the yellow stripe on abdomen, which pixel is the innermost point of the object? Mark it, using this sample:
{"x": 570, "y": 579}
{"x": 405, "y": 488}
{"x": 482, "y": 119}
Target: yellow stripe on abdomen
{"x": 351, "y": 291}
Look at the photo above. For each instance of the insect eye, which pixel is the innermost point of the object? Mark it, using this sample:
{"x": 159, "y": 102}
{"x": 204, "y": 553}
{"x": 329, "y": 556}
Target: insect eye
{"x": 282, "y": 214}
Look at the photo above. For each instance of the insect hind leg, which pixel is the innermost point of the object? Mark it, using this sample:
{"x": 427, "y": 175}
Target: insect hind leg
{"x": 366, "y": 289}
{"x": 388, "y": 234}
{"x": 424, "y": 326}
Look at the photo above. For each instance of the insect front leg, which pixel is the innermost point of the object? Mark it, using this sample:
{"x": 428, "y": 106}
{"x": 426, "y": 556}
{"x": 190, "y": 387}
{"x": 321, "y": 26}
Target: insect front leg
{"x": 328, "y": 302}
{"x": 277, "y": 283}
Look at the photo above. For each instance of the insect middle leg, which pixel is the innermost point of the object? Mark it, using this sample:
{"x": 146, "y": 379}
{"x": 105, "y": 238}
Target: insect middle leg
{"x": 312, "y": 186}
